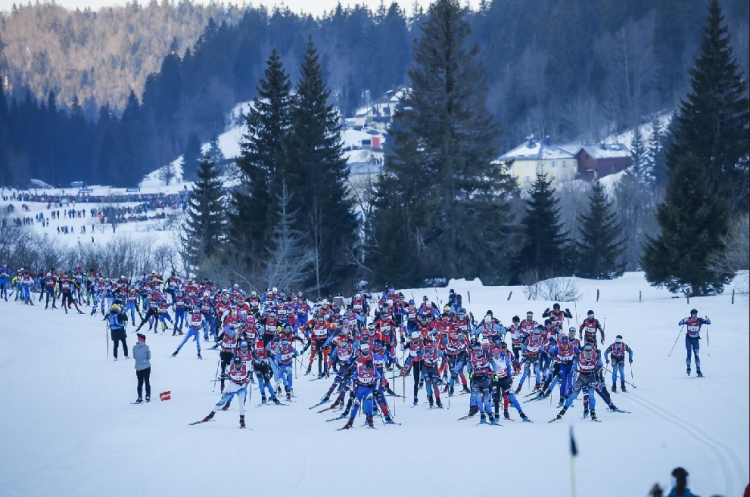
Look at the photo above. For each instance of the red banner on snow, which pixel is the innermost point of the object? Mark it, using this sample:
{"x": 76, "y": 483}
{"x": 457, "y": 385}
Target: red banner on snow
{"x": 165, "y": 395}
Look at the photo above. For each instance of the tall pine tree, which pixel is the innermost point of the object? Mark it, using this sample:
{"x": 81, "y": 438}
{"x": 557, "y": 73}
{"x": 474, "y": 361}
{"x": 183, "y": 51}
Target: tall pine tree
{"x": 262, "y": 163}
{"x": 204, "y": 224}
{"x": 444, "y": 145}
{"x": 693, "y": 221}
{"x": 712, "y": 122}
{"x": 317, "y": 174}
{"x": 600, "y": 243}
{"x": 545, "y": 253}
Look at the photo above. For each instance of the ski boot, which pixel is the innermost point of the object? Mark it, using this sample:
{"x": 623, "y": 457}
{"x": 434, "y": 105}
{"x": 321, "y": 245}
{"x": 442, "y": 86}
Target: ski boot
{"x": 348, "y": 424}
{"x": 369, "y": 422}
{"x": 561, "y": 413}
{"x": 175, "y": 353}
{"x": 174, "y": 332}
{"x": 473, "y": 410}
{"x": 430, "y": 401}
{"x": 209, "y": 417}
{"x": 698, "y": 371}
{"x": 275, "y": 400}
{"x": 289, "y": 396}
{"x": 517, "y": 390}
{"x": 688, "y": 370}
{"x": 263, "y": 400}
{"x": 593, "y": 414}
{"x": 200, "y": 356}
{"x": 79, "y": 311}
{"x": 226, "y": 406}
{"x": 390, "y": 392}
{"x": 438, "y": 403}
{"x": 614, "y": 387}
{"x": 416, "y": 401}
{"x": 482, "y": 419}
{"x": 139, "y": 400}
{"x": 242, "y": 421}
{"x": 525, "y": 418}
{"x": 625, "y": 390}
{"x": 148, "y": 398}
{"x": 389, "y": 420}
{"x": 450, "y": 391}
{"x": 493, "y": 420}
{"x": 585, "y": 413}
{"x": 506, "y": 414}
{"x": 308, "y": 370}
{"x": 465, "y": 389}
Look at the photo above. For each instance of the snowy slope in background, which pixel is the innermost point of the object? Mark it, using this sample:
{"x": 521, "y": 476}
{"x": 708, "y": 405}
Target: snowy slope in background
{"x": 67, "y": 428}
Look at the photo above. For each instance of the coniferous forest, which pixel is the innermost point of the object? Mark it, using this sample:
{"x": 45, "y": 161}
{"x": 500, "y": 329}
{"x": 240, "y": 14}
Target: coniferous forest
{"x": 441, "y": 206}
{"x": 117, "y": 93}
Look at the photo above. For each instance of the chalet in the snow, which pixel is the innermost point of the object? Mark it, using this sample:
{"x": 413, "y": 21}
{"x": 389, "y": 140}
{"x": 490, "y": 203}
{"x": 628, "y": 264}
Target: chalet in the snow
{"x": 540, "y": 155}
{"x": 597, "y": 161}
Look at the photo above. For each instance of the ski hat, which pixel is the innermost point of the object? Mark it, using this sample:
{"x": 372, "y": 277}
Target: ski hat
{"x": 529, "y": 313}
{"x": 590, "y": 313}
{"x": 693, "y": 312}
{"x": 555, "y": 305}
{"x": 237, "y": 360}
{"x": 618, "y": 338}
{"x": 588, "y": 348}
{"x": 496, "y": 351}
{"x": 141, "y": 337}
{"x": 516, "y": 319}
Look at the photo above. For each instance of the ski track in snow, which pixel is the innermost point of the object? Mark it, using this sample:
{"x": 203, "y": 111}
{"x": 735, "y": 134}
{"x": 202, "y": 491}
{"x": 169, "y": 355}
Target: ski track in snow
{"x": 721, "y": 451}
{"x": 70, "y": 430}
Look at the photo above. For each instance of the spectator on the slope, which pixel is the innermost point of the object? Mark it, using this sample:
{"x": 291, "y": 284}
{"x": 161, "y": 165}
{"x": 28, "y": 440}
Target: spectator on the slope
{"x": 142, "y": 356}
{"x": 680, "y": 484}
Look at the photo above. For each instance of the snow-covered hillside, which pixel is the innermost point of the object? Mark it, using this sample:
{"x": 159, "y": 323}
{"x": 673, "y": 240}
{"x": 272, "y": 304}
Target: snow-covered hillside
{"x": 67, "y": 426}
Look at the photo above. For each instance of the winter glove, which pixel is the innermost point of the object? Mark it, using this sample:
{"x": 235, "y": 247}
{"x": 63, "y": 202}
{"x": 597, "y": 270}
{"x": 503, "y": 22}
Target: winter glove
{"x": 403, "y": 340}
{"x": 608, "y": 362}
{"x": 631, "y": 361}
{"x": 602, "y": 339}
{"x": 471, "y": 374}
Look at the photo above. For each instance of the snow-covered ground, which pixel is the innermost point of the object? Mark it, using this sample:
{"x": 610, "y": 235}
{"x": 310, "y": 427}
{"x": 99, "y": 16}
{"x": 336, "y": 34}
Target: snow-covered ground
{"x": 67, "y": 427}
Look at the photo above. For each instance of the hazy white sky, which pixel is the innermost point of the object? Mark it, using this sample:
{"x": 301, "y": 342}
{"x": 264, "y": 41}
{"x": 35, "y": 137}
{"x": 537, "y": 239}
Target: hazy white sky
{"x": 315, "y": 7}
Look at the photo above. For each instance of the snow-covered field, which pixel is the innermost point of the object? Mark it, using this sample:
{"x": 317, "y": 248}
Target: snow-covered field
{"x": 67, "y": 427}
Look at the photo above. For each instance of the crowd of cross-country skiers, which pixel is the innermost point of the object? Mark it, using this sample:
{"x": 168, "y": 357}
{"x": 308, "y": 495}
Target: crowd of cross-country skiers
{"x": 446, "y": 351}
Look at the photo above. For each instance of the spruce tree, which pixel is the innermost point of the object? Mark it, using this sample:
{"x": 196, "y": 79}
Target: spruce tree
{"x": 600, "y": 243}
{"x": 317, "y": 174}
{"x": 712, "y": 121}
{"x": 693, "y": 222}
{"x": 635, "y": 200}
{"x": 545, "y": 253}
{"x": 444, "y": 143}
{"x": 205, "y": 221}
{"x": 191, "y": 157}
{"x": 261, "y": 163}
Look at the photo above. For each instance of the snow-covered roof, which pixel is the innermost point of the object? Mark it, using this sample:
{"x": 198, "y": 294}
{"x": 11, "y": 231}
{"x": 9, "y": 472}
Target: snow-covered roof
{"x": 606, "y": 150}
{"x": 536, "y": 150}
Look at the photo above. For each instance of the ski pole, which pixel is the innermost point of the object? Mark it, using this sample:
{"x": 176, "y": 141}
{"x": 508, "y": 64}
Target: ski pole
{"x": 106, "y": 339}
{"x": 631, "y": 373}
{"x": 708, "y": 343}
{"x": 675, "y": 342}
{"x": 216, "y": 373}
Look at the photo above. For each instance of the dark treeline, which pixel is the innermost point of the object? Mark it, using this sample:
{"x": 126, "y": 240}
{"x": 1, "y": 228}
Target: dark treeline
{"x": 567, "y": 69}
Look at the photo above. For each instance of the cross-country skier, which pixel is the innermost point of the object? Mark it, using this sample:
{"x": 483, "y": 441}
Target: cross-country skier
{"x": 588, "y": 368}
{"x": 692, "y": 336}
{"x": 195, "y": 324}
{"x": 502, "y": 383}
{"x": 239, "y": 377}
{"x": 618, "y": 350}
{"x": 365, "y": 378}
{"x": 481, "y": 370}
{"x": 588, "y": 329}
